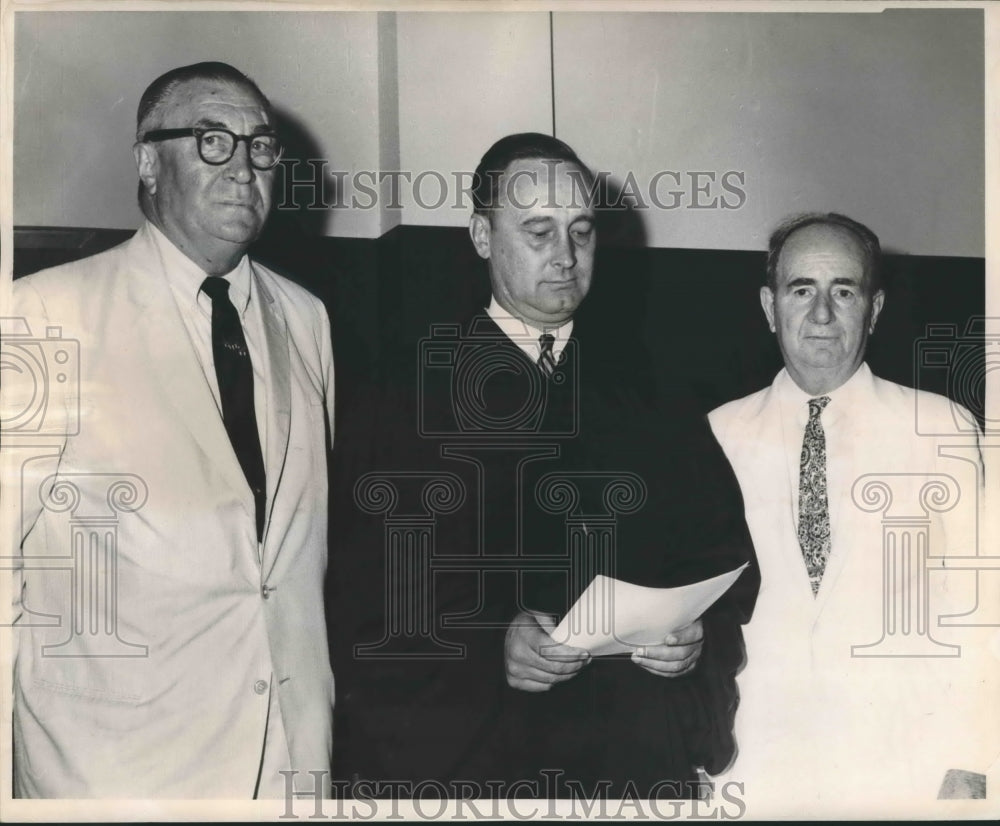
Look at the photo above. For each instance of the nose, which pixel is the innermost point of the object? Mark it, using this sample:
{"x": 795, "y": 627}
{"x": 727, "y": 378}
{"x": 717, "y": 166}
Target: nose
{"x": 564, "y": 254}
{"x": 239, "y": 167}
{"x": 821, "y": 311}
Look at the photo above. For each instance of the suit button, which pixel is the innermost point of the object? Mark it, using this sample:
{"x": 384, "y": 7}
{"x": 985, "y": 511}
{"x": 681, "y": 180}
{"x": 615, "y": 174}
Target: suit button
{"x": 265, "y": 591}
{"x": 260, "y": 686}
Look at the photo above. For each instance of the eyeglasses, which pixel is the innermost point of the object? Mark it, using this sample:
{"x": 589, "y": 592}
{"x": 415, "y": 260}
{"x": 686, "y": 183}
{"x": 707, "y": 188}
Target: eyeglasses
{"x": 216, "y": 146}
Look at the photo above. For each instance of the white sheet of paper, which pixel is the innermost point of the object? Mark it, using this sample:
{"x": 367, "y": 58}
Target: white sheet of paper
{"x": 613, "y": 617}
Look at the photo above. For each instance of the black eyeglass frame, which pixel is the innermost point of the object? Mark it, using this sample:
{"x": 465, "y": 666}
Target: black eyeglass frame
{"x": 197, "y": 132}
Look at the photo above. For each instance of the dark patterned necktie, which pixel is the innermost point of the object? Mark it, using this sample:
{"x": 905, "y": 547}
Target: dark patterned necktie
{"x": 546, "y": 361}
{"x": 234, "y": 372}
{"x": 814, "y": 508}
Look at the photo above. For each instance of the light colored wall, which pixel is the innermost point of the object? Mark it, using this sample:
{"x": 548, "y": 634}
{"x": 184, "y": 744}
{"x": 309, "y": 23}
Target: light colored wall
{"x": 466, "y": 79}
{"x": 79, "y": 77}
{"x": 388, "y": 114}
{"x": 875, "y": 115}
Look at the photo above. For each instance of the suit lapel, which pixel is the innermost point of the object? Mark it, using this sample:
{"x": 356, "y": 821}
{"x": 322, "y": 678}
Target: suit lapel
{"x": 174, "y": 363}
{"x": 846, "y": 540}
{"x": 278, "y": 401}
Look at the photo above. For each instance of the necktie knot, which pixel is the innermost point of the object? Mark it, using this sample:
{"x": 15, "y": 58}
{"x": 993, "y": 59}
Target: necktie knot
{"x": 546, "y": 358}
{"x": 817, "y": 405}
{"x": 215, "y": 287}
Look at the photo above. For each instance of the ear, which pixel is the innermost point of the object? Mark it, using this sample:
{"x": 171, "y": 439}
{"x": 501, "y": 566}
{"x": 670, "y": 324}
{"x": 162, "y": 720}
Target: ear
{"x": 767, "y": 302}
{"x": 147, "y": 163}
{"x": 480, "y": 232}
{"x": 877, "y": 301}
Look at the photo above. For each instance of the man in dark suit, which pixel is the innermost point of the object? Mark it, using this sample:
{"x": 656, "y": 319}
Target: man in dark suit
{"x": 554, "y": 461}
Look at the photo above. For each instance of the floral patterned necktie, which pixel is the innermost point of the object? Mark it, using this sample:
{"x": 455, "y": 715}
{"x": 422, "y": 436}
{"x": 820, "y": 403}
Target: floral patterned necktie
{"x": 814, "y": 508}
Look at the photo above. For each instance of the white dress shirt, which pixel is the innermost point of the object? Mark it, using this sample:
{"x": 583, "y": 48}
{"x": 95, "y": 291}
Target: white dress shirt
{"x": 185, "y": 279}
{"x": 526, "y": 336}
{"x": 839, "y": 421}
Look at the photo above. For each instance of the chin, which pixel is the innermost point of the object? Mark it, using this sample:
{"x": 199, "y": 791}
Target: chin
{"x": 241, "y": 233}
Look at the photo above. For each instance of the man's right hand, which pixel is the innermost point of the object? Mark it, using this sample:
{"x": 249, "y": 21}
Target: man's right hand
{"x": 535, "y": 662}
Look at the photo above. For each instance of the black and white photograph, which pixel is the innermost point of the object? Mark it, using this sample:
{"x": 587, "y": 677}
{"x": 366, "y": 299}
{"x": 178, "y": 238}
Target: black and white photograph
{"x": 499, "y": 411}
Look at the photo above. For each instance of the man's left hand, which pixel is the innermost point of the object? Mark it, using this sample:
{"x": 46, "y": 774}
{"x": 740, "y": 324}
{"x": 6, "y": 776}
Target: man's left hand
{"x": 676, "y": 655}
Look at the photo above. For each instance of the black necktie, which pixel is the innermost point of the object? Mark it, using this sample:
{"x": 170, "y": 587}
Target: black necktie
{"x": 546, "y": 361}
{"x": 234, "y": 372}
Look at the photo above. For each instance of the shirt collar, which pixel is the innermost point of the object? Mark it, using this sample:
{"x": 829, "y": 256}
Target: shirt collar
{"x": 525, "y": 335}
{"x": 185, "y": 277}
{"x": 794, "y": 400}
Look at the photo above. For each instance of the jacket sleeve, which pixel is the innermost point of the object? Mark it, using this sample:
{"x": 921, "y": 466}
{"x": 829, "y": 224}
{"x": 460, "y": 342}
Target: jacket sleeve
{"x": 706, "y": 534}
{"x": 39, "y": 406}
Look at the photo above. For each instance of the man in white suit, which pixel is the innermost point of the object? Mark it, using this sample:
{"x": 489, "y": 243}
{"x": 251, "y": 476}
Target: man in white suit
{"x": 179, "y": 648}
{"x": 854, "y": 700}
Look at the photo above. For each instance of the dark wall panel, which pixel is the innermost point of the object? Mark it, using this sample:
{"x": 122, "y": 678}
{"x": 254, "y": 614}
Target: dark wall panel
{"x": 697, "y": 312}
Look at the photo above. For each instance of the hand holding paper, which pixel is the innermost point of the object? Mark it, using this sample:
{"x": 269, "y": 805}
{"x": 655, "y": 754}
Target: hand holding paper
{"x": 615, "y": 617}
{"x": 676, "y": 655}
{"x": 533, "y": 661}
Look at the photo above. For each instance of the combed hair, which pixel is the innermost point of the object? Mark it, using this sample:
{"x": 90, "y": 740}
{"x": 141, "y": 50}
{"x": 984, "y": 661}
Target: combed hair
{"x": 519, "y": 147}
{"x": 868, "y": 240}
{"x": 160, "y": 90}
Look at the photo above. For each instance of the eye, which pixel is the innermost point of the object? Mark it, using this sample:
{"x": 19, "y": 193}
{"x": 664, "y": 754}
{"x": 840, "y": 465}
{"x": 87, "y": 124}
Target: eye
{"x": 583, "y": 233}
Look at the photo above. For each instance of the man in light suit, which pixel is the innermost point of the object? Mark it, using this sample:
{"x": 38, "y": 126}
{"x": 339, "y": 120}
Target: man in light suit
{"x": 183, "y": 652}
{"x": 853, "y": 696}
